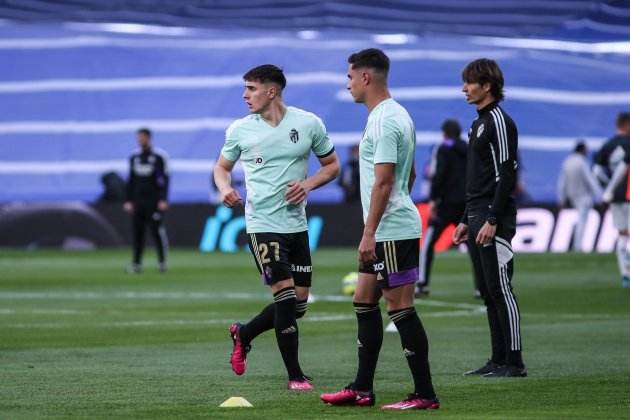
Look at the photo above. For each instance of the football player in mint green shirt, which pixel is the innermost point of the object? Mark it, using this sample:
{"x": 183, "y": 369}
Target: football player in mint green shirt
{"x": 389, "y": 248}
{"x": 274, "y": 143}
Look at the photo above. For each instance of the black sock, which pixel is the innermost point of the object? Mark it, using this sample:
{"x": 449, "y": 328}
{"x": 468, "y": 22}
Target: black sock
{"x": 370, "y": 339}
{"x": 287, "y": 331}
{"x": 265, "y": 319}
{"x": 416, "y": 349}
{"x": 300, "y": 308}
{"x": 258, "y": 324}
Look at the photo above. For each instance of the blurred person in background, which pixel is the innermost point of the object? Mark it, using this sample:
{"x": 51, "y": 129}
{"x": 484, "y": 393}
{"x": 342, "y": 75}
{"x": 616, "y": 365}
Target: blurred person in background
{"x": 349, "y": 178}
{"x": 578, "y": 188}
{"x": 147, "y": 192}
{"x": 610, "y": 156}
{"x": 114, "y": 188}
{"x": 447, "y": 198}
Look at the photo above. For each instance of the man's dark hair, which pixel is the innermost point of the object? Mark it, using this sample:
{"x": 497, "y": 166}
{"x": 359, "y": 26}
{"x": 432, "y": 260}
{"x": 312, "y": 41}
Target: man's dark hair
{"x": 580, "y": 147}
{"x": 145, "y": 131}
{"x": 452, "y": 129}
{"x": 623, "y": 118}
{"x": 372, "y": 58}
{"x": 482, "y": 71}
{"x": 265, "y": 74}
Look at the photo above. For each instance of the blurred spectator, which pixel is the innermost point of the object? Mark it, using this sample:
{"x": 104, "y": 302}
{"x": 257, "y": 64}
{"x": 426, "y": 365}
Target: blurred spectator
{"x": 578, "y": 188}
{"x": 349, "y": 178}
{"x": 447, "y": 198}
{"x": 114, "y": 188}
{"x": 609, "y": 157}
{"x": 521, "y": 196}
{"x": 147, "y": 192}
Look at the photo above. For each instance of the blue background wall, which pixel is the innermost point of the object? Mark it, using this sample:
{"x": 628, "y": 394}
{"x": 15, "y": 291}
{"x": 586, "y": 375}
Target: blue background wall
{"x": 73, "y": 94}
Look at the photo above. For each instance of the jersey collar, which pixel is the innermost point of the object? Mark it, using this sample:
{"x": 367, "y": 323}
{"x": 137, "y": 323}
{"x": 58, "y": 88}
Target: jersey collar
{"x": 487, "y": 108}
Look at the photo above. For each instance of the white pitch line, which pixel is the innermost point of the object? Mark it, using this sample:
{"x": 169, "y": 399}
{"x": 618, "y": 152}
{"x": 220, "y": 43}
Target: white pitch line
{"x": 326, "y": 317}
{"x": 42, "y": 311}
{"x": 323, "y": 317}
{"x": 173, "y": 322}
{"x": 124, "y": 295}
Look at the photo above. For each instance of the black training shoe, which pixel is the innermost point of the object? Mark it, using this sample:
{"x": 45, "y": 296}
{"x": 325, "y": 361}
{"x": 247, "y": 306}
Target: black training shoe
{"x": 490, "y": 366}
{"x": 507, "y": 371}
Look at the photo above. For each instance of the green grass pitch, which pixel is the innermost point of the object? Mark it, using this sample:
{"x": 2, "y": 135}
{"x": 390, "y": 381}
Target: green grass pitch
{"x": 81, "y": 339}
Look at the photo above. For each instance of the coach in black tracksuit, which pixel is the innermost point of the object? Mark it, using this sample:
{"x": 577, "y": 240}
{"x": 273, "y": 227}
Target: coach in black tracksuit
{"x": 147, "y": 191}
{"x": 489, "y": 221}
{"x": 447, "y": 198}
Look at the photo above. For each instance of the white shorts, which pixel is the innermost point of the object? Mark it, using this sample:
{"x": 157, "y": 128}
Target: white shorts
{"x": 621, "y": 215}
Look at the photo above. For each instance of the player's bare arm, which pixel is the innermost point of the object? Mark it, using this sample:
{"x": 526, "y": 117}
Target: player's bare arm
{"x": 383, "y": 184}
{"x": 223, "y": 179}
{"x": 297, "y": 191}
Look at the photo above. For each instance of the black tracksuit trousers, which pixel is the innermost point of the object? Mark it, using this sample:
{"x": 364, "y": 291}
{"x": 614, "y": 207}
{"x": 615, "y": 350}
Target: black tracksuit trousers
{"x": 494, "y": 264}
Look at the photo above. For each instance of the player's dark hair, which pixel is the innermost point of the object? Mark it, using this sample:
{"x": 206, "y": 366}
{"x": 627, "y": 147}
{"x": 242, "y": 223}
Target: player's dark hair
{"x": 267, "y": 73}
{"x": 580, "y": 147}
{"x": 623, "y": 118}
{"x": 452, "y": 129}
{"x": 372, "y": 58}
{"x": 482, "y": 71}
{"x": 144, "y": 131}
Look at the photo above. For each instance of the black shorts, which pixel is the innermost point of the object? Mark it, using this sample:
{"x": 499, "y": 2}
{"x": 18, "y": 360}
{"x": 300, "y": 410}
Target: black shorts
{"x": 280, "y": 256}
{"x": 396, "y": 263}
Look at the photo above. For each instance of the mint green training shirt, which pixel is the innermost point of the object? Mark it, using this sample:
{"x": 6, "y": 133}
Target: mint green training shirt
{"x": 272, "y": 157}
{"x": 390, "y": 137}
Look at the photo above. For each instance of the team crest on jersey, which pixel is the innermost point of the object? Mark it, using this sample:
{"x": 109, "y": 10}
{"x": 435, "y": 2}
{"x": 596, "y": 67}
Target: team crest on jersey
{"x": 294, "y": 135}
{"x": 258, "y": 160}
{"x": 480, "y": 130}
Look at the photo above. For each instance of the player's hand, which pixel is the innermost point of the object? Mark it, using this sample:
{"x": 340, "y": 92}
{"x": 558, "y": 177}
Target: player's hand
{"x": 231, "y": 198}
{"x": 128, "y": 206}
{"x": 367, "y": 249}
{"x": 486, "y": 234}
{"x": 460, "y": 234}
{"x": 162, "y": 205}
{"x": 296, "y": 192}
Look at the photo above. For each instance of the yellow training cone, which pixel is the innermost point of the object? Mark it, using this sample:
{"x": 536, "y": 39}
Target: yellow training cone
{"x": 236, "y": 402}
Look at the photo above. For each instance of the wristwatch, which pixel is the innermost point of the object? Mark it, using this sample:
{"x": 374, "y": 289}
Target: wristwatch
{"x": 492, "y": 220}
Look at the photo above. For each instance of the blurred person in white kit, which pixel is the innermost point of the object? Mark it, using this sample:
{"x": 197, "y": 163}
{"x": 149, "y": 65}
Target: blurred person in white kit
{"x": 578, "y": 188}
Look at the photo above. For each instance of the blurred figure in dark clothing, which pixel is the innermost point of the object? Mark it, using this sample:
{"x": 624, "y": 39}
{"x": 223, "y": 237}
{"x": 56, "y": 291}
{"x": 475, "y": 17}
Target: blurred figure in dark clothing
{"x": 447, "y": 198}
{"x": 349, "y": 178}
{"x": 114, "y": 188}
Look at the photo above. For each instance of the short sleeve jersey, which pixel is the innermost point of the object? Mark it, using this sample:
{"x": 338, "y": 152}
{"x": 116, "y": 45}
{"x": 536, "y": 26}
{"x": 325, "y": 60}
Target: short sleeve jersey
{"x": 390, "y": 137}
{"x": 271, "y": 158}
